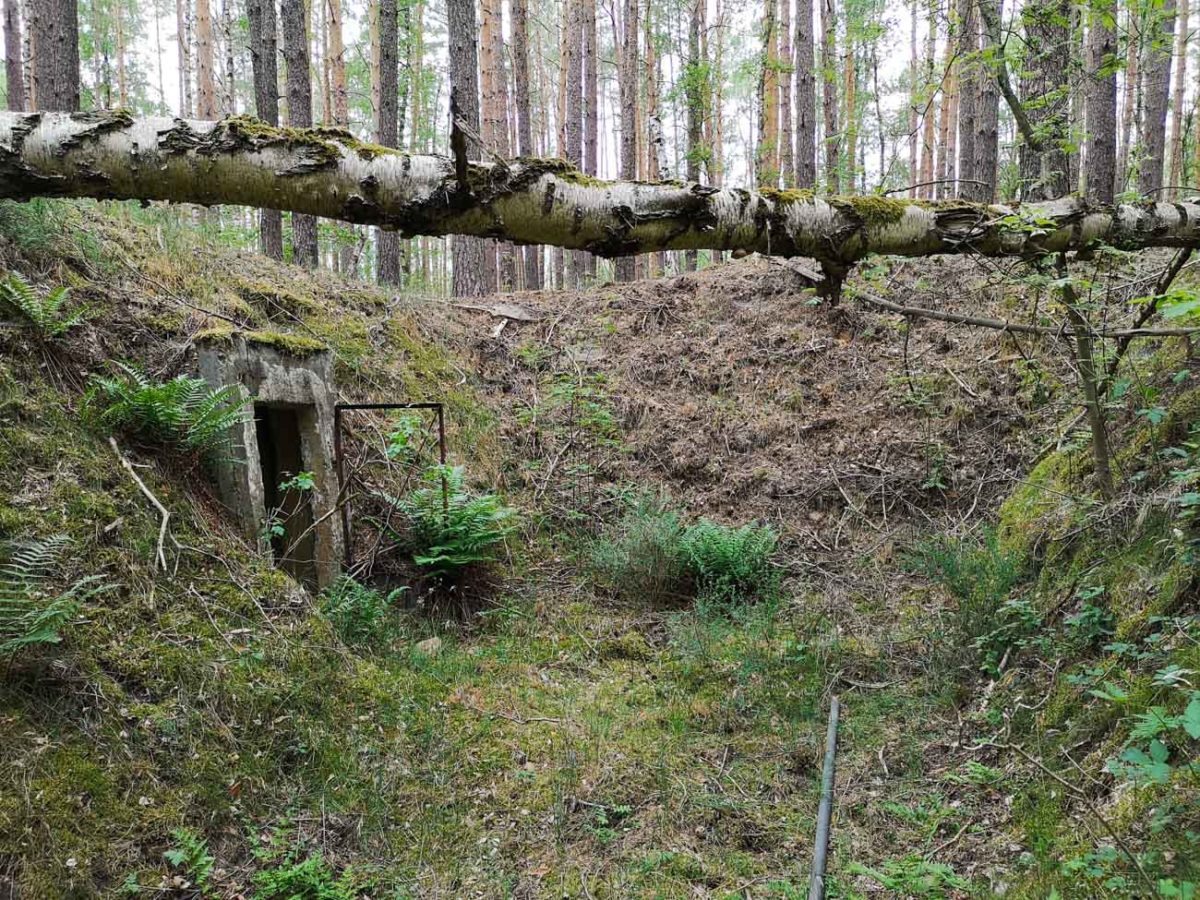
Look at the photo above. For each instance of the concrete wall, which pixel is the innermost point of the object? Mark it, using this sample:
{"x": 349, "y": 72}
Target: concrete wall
{"x": 275, "y": 378}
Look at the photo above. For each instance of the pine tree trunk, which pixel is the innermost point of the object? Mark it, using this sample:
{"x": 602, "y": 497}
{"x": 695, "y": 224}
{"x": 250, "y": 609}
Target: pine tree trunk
{"x": 54, "y": 47}
{"x": 627, "y": 88}
{"x": 851, "y": 99}
{"x": 337, "y": 64}
{"x": 14, "y": 69}
{"x": 1158, "y": 81}
{"x": 469, "y": 273}
{"x": 987, "y": 132}
{"x": 119, "y": 25}
{"x": 926, "y": 175}
{"x": 591, "y": 96}
{"x": 787, "y": 164}
{"x": 968, "y": 96}
{"x": 387, "y": 132}
{"x": 1129, "y": 94}
{"x": 299, "y": 105}
{"x": 947, "y": 125}
{"x": 265, "y": 69}
{"x": 1101, "y": 112}
{"x": 1045, "y": 172}
{"x": 806, "y": 98}
{"x": 184, "y": 43}
{"x": 914, "y": 98}
{"x": 206, "y": 88}
{"x": 1179, "y": 177}
{"x": 695, "y": 107}
{"x": 829, "y": 98}
{"x": 522, "y": 109}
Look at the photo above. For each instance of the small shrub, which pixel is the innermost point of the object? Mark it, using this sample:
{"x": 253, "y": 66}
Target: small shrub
{"x": 642, "y": 556}
{"x": 311, "y": 879}
{"x": 980, "y": 575}
{"x": 651, "y": 554}
{"x": 46, "y": 313}
{"x": 451, "y": 527}
{"x": 31, "y": 612}
{"x": 184, "y": 412}
{"x": 359, "y": 614}
{"x": 731, "y": 565}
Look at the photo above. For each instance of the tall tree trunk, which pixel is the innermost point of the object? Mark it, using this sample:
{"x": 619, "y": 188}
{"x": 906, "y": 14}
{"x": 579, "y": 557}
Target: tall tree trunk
{"x": 1044, "y": 171}
{"x": 387, "y": 132}
{"x": 1101, "y": 150}
{"x": 206, "y": 87}
{"x": 806, "y": 98}
{"x": 851, "y": 100}
{"x": 119, "y": 25}
{"x": 627, "y": 87}
{"x": 183, "y": 41}
{"x": 1158, "y": 82}
{"x": 14, "y": 69}
{"x": 694, "y": 93}
{"x": 318, "y": 173}
{"x": 469, "y": 274}
{"x": 1129, "y": 95}
{"x": 914, "y": 99}
{"x": 968, "y": 96}
{"x": 829, "y": 97}
{"x": 787, "y": 163}
{"x": 265, "y": 68}
{"x": 337, "y": 64}
{"x": 927, "y": 174}
{"x": 591, "y": 97}
{"x": 299, "y": 105}
{"x": 948, "y": 124}
{"x": 523, "y": 110}
{"x": 572, "y": 119}
{"x": 1178, "y": 174}
{"x": 987, "y": 120}
{"x": 54, "y": 47}
{"x": 656, "y": 145}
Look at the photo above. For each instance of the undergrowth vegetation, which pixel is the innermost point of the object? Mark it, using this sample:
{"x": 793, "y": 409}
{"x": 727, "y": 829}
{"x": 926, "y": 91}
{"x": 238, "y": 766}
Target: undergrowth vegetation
{"x": 650, "y": 555}
{"x": 184, "y": 412}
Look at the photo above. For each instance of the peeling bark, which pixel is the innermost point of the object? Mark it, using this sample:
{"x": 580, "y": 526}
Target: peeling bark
{"x": 328, "y": 173}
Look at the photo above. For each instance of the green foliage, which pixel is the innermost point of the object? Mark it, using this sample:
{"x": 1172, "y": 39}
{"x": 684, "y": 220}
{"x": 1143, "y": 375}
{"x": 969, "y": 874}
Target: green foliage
{"x": 183, "y": 412}
{"x": 650, "y": 554}
{"x": 980, "y": 575}
{"x": 913, "y": 876}
{"x": 731, "y": 565}
{"x": 359, "y": 614}
{"x": 191, "y": 857}
{"x": 310, "y": 879}
{"x": 451, "y": 527}
{"x": 642, "y": 556}
{"x": 31, "y": 612}
{"x": 46, "y": 313}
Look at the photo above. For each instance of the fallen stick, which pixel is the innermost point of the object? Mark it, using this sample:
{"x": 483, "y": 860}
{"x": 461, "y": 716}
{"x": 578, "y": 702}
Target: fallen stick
{"x": 161, "y": 557}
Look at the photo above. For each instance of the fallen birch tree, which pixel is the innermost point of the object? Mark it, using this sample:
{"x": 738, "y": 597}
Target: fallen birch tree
{"x": 329, "y": 173}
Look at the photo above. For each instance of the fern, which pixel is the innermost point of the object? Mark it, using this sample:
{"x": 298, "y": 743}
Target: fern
{"x": 186, "y": 412}
{"x": 31, "y": 612}
{"x": 450, "y": 527}
{"x": 46, "y": 315}
{"x": 359, "y": 614}
{"x": 731, "y": 564}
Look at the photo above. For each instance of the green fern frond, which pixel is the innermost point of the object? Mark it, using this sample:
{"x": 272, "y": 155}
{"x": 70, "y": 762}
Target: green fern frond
{"x": 46, "y": 315}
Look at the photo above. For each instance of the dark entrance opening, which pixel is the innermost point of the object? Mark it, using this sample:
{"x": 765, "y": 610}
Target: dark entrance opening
{"x": 289, "y": 511}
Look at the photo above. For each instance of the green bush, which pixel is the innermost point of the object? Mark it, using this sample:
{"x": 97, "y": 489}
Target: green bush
{"x": 451, "y": 527}
{"x": 184, "y": 412}
{"x": 652, "y": 555}
{"x": 359, "y": 614}
{"x": 32, "y": 612}
{"x": 46, "y": 314}
{"x": 642, "y": 556}
{"x": 311, "y": 879}
{"x": 980, "y": 575}
{"x": 731, "y": 565}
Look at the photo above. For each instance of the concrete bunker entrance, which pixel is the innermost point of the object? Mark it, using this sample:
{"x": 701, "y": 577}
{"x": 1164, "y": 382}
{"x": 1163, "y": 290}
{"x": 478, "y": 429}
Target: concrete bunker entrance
{"x": 278, "y": 430}
{"x": 279, "y": 481}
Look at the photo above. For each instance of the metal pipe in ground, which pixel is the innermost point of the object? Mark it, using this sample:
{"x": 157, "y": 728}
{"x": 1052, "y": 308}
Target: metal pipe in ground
{"x": 816, "y": 885}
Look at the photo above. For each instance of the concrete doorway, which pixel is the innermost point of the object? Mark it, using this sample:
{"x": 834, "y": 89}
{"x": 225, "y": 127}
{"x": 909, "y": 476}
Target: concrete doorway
{"x": 293, "y": 540}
